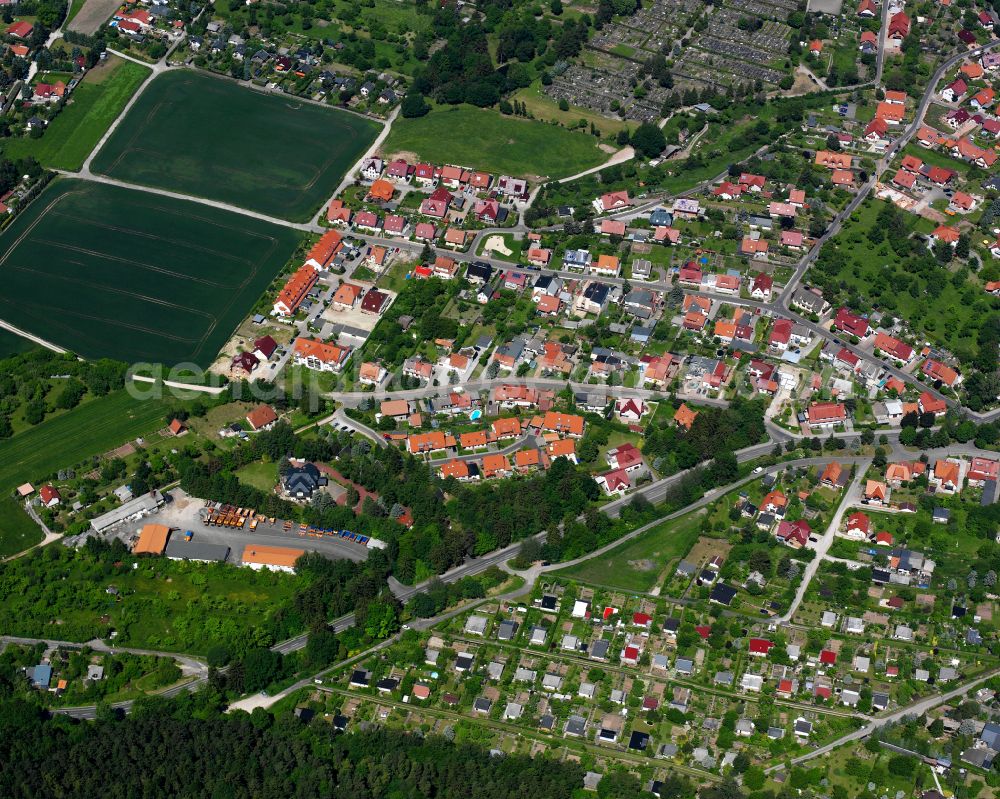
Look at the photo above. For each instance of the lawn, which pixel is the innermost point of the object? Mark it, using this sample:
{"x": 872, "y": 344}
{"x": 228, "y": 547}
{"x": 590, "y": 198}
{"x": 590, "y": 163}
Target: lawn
{"x": 636, "y": 565}
{"x": 162, "y": 604}
{"x": 487, "y": 140}
{"x": 78, "y": 128}
{"x": 397, "y": 17}
{"x": 111, "y": 272}
{"x": 259, "y": 475}
{"x": 208, "y": 137}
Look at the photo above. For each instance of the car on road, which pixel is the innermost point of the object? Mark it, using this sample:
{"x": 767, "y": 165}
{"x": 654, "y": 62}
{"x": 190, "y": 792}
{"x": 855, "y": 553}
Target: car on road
{"x": 758, "y": 469}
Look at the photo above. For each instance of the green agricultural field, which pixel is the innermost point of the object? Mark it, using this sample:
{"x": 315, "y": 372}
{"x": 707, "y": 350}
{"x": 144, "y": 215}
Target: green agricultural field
{"x": 637, "y": 565}
{"x": 208, "y": 137}
{"x": 486, "y": 140}
{"x": 93, "y": 106}
{"x": 65, "y": 440}
{"x": 13, "y": 344}
{"x": 111, "y": 272}
{"x": 61, "y": 442}
{"x": 17, "y": 530}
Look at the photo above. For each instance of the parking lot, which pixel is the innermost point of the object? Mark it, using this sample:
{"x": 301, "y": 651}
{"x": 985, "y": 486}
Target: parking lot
{"x": 184, "y": 513}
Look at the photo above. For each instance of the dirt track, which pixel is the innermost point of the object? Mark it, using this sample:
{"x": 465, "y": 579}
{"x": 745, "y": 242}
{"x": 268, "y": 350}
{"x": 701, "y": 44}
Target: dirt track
{"x": 92, "y": 16}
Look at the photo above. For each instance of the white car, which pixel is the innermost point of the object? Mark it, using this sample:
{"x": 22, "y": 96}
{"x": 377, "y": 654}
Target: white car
{"x": 758, "y": 469}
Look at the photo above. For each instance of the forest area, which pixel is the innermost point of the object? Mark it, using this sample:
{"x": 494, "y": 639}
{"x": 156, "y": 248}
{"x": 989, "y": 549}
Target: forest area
{"x": 189, "y": 748}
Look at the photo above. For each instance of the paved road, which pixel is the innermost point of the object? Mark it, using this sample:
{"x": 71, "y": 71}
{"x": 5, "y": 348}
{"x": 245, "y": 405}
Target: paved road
{"x": 369, "y": 153}
{"x": 822, "y": 546}
{"x": 352, "y": 398}
{"x": 883, "y": 35}
{"x": 781, "y": 306}
{"x": 190, "y": 665}
{"x": 193, "y": 664}
{"x": 250, "y": 703}
{"x": 710, "y": 497}
{"x": 499, "y": 558}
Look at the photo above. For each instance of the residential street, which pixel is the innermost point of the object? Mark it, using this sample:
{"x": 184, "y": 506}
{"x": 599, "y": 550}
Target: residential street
{"x": 821, "y": 547}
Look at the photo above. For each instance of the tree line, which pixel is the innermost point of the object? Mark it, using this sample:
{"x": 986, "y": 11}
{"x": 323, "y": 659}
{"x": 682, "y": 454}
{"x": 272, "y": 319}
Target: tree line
{"x": 25, "y": 382}
{"x": 166, "y": 749}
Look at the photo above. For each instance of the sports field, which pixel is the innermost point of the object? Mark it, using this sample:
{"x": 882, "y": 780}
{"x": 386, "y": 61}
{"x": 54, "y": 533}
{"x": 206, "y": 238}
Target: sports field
{"x": 93, "y": 106}
{"x": 208, "y": 137}
{"x": 487, "y": 140}
{"x": 111, "y": 272}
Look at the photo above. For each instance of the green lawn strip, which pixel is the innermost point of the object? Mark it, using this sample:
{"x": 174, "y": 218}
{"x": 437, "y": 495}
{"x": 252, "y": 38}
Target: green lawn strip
{"x": 74, "y": 9}
{"x": 208, "y": 137}
{"x": 397, "y": 17}
{"x": 487, "y": 140}
{"x": 71, "y": 136}
{"x": 617, "y": 568}
{"x": 169, "y": 286}
{"x": 936, "y": 158}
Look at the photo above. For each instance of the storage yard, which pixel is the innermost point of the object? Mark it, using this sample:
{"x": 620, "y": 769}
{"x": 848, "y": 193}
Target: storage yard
{"x": 213, "y": 523}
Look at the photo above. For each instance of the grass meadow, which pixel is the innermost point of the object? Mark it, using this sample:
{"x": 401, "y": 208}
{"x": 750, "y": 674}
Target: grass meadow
{"x": 486, "y": 140}
{"x": 166, "y": 605}
{"x": 638, "y": 564}
{"x": 72, "y": 437}
{"x": 66, "y": 441}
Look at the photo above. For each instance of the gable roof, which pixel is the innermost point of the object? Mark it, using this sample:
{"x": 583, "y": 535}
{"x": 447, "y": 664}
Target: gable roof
{"x": 261, "y": 416}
